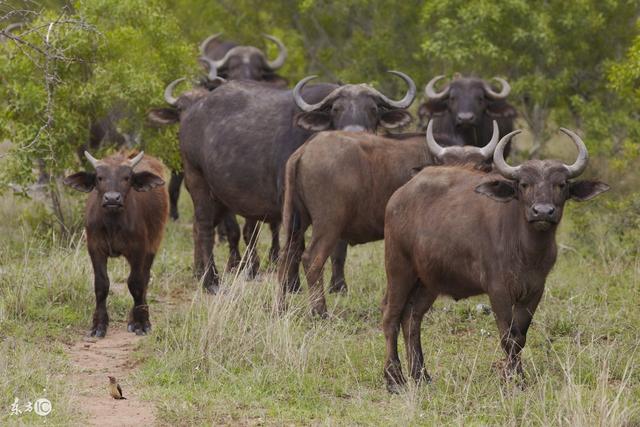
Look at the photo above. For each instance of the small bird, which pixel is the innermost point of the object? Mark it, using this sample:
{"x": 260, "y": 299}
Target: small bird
{"x": 114, "y": 389}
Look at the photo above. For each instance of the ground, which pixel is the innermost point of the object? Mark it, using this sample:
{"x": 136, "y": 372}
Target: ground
{"x": 232, "y": 359}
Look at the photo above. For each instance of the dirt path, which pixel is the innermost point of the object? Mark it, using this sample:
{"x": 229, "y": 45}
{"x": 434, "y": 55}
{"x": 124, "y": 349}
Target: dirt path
{"x": 94, "y": 360}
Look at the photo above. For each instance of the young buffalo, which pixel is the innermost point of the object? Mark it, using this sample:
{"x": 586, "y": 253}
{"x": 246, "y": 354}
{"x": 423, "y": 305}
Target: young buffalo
{"x": 459, "y": 232}
{"x": 123, "y": 222}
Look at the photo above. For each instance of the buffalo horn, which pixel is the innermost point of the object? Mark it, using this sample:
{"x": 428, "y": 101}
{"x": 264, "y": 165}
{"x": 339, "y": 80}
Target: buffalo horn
{"x": 583, "y": 155}
{"x": 282, "y": 53}
{"x": 501, "y": 166}
{"x": 430, "y": 91}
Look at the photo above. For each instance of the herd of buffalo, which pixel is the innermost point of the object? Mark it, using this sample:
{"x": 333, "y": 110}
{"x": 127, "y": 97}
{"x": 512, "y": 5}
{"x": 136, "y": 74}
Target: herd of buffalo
{"x": 455, "y": 217}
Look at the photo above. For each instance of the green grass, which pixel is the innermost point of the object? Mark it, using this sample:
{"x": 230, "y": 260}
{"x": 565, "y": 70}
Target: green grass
{"x": 231, "y": 359}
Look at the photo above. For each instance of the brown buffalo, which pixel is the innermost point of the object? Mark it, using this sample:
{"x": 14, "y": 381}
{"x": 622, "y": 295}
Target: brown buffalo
{"x": 341, "y": 181}
{"x": 460, "y": 232}
{"x": 119, "y": 221}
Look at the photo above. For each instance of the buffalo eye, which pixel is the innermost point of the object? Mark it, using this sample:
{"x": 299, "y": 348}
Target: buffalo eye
{"x": 100, "y": 178}
{"x": 524, "y": 185}
{"x": 125, "y": 179}
{"x": 562, "y": 185}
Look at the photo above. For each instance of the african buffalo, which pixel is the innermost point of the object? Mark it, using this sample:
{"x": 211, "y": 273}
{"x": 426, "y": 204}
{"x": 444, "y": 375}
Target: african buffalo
{"x": 466, "y": 107}
{"x": 235, "y": 62}
{"x": 229, "y": 61}
{"x": 235, "y": 143}
{"x": 119, "y": 221}
{"x": 460, "y": 232}
{"x": 341, "y": 181}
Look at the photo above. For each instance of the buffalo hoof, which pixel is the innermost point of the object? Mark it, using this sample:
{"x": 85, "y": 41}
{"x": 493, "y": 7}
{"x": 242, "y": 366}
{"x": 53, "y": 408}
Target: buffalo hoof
{"x": 138, "y": 328}
{"x": 174, "y": 215}
{"x": 294, "y": 286}
{"x": 338, "y": 286}
{"x": 394, "y": 379}
{"x": 99, "y": 331}
{"x": 320, "y": 311}
{"x": 212, "y": 289}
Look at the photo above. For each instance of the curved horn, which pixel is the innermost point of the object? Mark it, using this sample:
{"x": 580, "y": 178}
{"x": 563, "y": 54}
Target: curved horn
{"x": 282, "y": 53}
{"x": 430, "y": 92}
{"x": 408, "y": 97}
{"x": 504, "y": 92}
{"x": 487, "y": 150}
{"x": 94, "y": 162}
{"x": 168, "y": 91}
{"x": 212, "y": 70}
{"x": 583, "y": 155}
{"x": 502, "y": 167}
{"x": 205, "y": 44}
{"x": 14, "y": 26}
{"x": 301, "y": 103}
{"x": 133, "y": 162}
{"x": 434, "y": 148}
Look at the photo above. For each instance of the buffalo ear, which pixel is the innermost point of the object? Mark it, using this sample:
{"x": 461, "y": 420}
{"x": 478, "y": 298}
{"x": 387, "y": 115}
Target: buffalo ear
{"x": 395, "y": 118}
{"x": 498, "y": 190}
{"x": 81, "y": 181}
{"x": 163, "y": 116}
{"x": 498, "y": 109}
{"x": 314, "y": 121}
{"x": 585, "y": 190}
{"x": 432, "y": 108}
{"x": 145, "y": 181}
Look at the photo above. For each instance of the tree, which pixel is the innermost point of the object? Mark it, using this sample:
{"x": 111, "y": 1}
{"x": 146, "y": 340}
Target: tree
{"x": 68, "y": 67}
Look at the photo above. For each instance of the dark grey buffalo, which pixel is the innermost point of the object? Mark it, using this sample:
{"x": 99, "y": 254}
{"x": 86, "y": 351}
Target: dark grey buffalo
{"x": 236, "y": 62}
{"x": 466, "y": 107}
{"x": 235, "y": 142}
{"x": 226, "y": 60}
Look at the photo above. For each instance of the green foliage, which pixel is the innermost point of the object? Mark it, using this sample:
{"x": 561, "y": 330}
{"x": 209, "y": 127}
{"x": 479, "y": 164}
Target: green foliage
{"x": 570, "y": 64}
{"x": 106, "y": 55}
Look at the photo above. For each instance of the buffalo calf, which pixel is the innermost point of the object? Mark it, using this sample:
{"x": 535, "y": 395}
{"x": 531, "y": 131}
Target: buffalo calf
{"x": 459, "y": 232}
{"x": 119, "y": 221}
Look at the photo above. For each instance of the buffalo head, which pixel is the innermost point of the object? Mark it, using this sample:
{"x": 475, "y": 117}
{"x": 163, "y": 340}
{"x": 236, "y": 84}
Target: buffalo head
{"x": 481, "y": 157}
{"x": 112, "y": 179}
{"x": 245, "y": 62}
{"x": 467, "y": 100}
{"x": 541, "y": 187}
{"x": 356, "y": 107}
{"x": 178, "y": 105}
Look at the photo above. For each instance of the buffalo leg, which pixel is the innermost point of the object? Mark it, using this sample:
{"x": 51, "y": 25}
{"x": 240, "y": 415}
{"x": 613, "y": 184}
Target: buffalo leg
{"x": 250, "y": 233}
{"x": 513, "y": 321}
{"x": 417, "y": 305}
{"x": 174, "y": 193}
{"x": 274, "y": 251}
{"x": 232, "y": 232}
{"x": 313, "y": 260}
{"x": 338, "y": 258}
{"x": 138, "y": 283}
{"x": 401, "y": 281}
{"x": 101, "y": 288}
{"x": 207, "y": 213}
{"x": 289, "y": 263}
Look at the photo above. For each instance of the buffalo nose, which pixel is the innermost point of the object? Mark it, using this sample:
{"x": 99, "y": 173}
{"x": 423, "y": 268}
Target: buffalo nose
{"x": 112, "y": 197}
{"x": 543, "y": 209}
{"x": 466, "y": 117}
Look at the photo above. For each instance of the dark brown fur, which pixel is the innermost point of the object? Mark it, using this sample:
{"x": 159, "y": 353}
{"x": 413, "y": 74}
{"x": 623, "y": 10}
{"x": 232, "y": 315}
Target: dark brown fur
{"x": 460, "y": 232}
{"x": 134, "y": 231}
